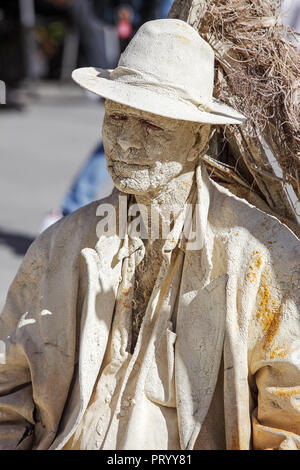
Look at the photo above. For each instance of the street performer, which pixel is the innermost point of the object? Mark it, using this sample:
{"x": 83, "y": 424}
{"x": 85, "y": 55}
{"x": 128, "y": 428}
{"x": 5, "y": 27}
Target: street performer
{"x": 125, "y": 335}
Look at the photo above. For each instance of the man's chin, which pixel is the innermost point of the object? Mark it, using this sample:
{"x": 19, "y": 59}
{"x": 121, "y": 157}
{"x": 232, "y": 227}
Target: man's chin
{"x": 129, "y": 185}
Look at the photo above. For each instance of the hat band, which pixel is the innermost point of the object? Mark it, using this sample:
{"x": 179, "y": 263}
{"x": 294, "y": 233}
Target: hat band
{"x": 150, "y": 82}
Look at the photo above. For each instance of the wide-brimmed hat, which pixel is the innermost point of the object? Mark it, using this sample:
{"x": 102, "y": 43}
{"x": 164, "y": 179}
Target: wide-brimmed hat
{"x": 166, "y": 69}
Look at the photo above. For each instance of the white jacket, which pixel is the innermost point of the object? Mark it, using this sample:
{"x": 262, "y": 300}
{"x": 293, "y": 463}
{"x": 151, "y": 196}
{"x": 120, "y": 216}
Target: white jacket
{"x": 238, "y": 299}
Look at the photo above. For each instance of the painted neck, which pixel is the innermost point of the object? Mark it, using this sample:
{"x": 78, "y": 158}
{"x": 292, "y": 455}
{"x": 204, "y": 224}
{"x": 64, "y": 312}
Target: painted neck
{"x": 168, "y": 202}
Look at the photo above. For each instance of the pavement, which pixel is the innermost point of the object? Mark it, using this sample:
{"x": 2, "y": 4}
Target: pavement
{"x": 42, "y": 148}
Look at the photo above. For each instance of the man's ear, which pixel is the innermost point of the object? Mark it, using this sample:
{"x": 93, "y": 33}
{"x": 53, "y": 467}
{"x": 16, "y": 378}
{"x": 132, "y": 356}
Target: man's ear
{"x": 202, "y": 138}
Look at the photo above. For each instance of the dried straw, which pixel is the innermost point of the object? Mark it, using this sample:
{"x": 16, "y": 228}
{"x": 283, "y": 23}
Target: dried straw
{"x": 258, "y": 73}
{"x": 262, "y": 68}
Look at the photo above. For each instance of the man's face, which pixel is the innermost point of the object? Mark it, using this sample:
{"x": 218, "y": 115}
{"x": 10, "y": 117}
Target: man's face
{"x": 145, "y": 151}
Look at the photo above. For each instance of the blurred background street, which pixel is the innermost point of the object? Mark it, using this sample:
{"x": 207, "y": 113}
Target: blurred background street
{"x": 41, "y": 149}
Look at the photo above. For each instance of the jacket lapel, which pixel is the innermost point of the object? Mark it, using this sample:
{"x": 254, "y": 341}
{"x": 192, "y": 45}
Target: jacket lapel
{"x": 198, "y": 350}
{"x": 100, "y": 274}
{"x": 200, "y": 323}
{"x": 103, "y": 272}
{"x": 98, "y": 307}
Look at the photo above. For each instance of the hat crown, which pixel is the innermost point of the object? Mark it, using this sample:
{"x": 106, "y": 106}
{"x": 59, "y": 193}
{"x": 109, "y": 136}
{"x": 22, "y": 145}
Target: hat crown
{"x": 173, "y": 52}
{"x": 167, "y": 69}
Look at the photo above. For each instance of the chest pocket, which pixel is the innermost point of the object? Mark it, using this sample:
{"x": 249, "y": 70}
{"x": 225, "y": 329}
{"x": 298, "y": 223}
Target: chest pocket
{"x": 160, "y": 382}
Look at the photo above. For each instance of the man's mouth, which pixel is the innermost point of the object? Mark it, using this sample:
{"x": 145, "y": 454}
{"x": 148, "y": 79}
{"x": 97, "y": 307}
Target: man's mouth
{"x": 123, "y": 165}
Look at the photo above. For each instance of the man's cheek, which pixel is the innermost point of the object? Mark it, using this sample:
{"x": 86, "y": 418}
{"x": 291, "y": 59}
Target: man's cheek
{"x": 157, "y": 146}
{"x": 108, "y": 144}
{"x": 109, "y": 134}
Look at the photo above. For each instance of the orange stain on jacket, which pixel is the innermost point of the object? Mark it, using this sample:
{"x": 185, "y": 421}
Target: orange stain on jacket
{"x": 269, "y": 312}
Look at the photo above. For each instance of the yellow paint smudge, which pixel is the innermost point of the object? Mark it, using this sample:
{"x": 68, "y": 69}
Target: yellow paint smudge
{"x": 278, "y": 353}
{"x": 287, "y": 393}
{"x": 257, "y": 262}
{"x": 268, "y": 312}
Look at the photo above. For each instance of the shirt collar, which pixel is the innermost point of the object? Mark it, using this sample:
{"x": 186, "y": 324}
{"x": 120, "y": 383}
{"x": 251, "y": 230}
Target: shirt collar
{"x": 200, "y": 202}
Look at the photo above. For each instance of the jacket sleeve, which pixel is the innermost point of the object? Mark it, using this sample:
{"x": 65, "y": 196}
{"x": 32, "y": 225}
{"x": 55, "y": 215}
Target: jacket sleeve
{"x": 276, "y": 363}
{"x": 40, "y": 330}
{"x": 276, "y": 420}
{"x": 17, "y": 408}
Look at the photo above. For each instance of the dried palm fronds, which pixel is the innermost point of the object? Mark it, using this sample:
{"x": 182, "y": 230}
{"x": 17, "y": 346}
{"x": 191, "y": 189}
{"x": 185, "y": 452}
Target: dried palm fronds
{"x": 257, "y": 71}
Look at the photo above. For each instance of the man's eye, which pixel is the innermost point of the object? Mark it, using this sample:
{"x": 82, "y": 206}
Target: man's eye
{"x": 149, "y": 125}
{"x": 118, "y": 117}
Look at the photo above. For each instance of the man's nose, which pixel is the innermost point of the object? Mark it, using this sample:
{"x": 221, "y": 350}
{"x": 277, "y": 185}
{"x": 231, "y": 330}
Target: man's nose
{"x": 131, "y": 136}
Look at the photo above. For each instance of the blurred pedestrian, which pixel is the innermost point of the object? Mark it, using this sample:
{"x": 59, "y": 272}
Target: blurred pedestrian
{"x": 12, "y": 53}
{"x": 124, "y": 25}
{"x": 163, "y": 8}
{"x": 92, "y": 181}
{"x": 89, "y": 27}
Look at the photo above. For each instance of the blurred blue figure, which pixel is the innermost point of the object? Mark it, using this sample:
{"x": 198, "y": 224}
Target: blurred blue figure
{"x": 163, "y": 8}
{"x": 92, "y": 179}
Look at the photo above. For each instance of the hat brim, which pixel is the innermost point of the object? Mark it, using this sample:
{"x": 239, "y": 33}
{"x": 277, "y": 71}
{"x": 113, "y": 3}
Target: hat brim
{"x": 98, "y": 81}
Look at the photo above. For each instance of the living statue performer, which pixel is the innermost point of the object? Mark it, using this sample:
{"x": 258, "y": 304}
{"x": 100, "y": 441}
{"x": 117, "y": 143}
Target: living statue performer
{"x": 117, "y": 336}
